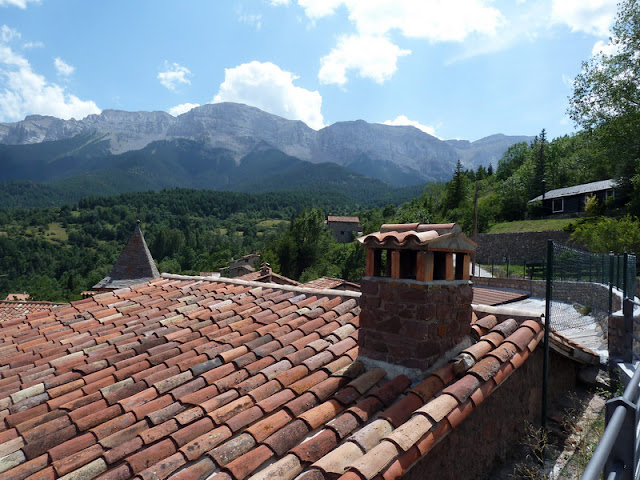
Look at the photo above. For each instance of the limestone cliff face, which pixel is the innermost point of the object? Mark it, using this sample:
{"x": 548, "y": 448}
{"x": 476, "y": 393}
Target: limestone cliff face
{"x": 360, "y": 143}
{"x": 240, "y": 128}
{"x": 400, "y": 155}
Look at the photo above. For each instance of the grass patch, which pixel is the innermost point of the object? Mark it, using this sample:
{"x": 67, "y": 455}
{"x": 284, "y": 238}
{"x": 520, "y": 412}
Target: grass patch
{"x": 531, "y": 225}
{"x": 266, "y": 224}
{"x": 57, "y": 233}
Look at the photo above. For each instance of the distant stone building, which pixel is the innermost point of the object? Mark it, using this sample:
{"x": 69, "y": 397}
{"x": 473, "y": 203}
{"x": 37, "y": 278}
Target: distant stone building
{"x": 266, "y": 275}
{"x": 134, "y": 265}
{"x": 241, "y": 266}
{"x": 344, "y": 229}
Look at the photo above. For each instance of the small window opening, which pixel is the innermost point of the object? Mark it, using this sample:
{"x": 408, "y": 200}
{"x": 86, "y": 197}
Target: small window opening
{"x": 458, "y": 261}
{"x": 439, "y": 265}
{"x": 408, "y": 263}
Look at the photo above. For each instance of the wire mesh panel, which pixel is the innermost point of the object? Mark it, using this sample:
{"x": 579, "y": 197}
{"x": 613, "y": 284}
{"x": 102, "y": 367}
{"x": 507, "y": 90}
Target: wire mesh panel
{"x": 590, "y": 285}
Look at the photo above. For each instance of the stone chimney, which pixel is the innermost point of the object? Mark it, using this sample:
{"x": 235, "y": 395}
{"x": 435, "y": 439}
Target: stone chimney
{"x": 416, "y": 296}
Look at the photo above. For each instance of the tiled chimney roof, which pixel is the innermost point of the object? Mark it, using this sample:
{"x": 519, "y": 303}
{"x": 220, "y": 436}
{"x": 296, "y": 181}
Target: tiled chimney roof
{"x": 134, "y": 264}
{"x": 419, "y": 236}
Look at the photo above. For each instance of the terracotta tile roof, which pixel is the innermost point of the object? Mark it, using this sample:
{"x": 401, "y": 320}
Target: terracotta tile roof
{"x": 268, "y": 277}
{"x": 339, "y": 219}
{"x": 18, "y": 297}
{"x": 189, "y": 377}
{"x": 333, "y": 283}
{"x": 569, "y": 348}
{"x": 10, "y": 310}
{"x": 492, "y": 296}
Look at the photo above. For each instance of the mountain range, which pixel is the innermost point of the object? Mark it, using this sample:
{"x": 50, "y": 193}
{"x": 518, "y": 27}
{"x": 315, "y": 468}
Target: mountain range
{"x": 228, "y": 146}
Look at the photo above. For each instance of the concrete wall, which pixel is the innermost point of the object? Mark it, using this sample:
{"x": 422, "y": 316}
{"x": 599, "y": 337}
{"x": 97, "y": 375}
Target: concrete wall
{"x": 495, "y": 426}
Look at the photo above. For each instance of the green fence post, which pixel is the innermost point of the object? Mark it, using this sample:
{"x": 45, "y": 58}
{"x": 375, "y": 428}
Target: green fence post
{"x": 610, "y": 282}
{"x": 625, "y": 276}
{"x": 547, "y": 326}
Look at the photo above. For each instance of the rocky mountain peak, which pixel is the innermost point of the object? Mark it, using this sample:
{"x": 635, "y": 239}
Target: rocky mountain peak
{"x": 368, "y": 148}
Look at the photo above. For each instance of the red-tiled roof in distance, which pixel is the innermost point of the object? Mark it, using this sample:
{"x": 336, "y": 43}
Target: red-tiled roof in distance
{"x": 332, "y": 283}
{"x": 266, "y": 275}
{"x": 17, "y": 297}
{"x": 192, "y": 377}
{"x": 10, "y": 310}
{"x": 339, "y": 219}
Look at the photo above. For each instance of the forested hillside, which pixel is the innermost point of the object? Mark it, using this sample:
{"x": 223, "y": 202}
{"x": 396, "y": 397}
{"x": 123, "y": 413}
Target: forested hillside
{"x": 54, "y": 253}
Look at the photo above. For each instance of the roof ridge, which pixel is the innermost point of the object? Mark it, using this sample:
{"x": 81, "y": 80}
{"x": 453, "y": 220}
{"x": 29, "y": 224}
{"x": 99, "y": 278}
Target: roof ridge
{"x": 251, "y": 283}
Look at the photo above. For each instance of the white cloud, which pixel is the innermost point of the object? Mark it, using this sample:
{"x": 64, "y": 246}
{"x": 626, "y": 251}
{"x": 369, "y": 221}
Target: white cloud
{"x": 27, "y": 92}
{"x": 8, "y": 34}
{"x": 434, "y": 20}
{"x": 372, "y": 57}
{"x": 29, "y": 45}
{"x": 590, "y": 16}
{"x": 376, "y": 20}
{"x": 268, "y": 87}
{"x": 319, "y": 8}
{"x": 253, "y": 20}
{"x": 567, "y": 81}
{"x": 174, "y": 75}
{"x": 17, "y": 3}
{"x": 182, "y": 108}
{"x": 62, "y": 67}
{"x": 279, "y": 2}
{"x": 602, "y": 48}
{"x": 403, "y": 120}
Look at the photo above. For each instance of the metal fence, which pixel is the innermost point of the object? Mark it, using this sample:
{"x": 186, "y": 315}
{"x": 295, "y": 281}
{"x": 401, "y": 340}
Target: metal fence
{"x": 617, "y": 454}
{"x": 584, "y": 285}
{"x": 569, "y": 265}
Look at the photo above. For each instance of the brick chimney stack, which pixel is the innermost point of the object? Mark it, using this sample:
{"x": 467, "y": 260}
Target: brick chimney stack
{"x": 416, "y": 295}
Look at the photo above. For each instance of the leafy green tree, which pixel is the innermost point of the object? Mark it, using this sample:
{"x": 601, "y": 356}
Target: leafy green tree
{"x": 606, "y": 99}
{"x": 305, "y": 246}
{"x": 511, "y": 160}
{"x": 605, "y": 234}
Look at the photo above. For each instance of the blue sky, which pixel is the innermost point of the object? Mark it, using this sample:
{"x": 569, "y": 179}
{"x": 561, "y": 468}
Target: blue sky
{"x": 455, "y": 68}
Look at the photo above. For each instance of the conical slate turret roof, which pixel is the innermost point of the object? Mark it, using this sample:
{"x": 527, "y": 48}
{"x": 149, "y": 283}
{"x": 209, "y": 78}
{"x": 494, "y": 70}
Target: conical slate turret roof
{"x": 134, "y": 265}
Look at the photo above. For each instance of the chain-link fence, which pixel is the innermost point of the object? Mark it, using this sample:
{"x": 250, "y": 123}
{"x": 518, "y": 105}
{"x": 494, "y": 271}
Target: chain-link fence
{"x": 586, "y": 287}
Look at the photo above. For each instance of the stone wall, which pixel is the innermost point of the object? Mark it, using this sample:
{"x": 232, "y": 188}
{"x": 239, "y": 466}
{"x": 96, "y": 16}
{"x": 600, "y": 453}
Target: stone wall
{"x": 495, "y": 426}
{"x": 410, "y": 323}
{"x": 518, "y": 247}
{"x": 593, "y": 295}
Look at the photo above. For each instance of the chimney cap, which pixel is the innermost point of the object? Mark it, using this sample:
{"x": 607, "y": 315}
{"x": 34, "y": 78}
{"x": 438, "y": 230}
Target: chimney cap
{"x": 420, "y": 236}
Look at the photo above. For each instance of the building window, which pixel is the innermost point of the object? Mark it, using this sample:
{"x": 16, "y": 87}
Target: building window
{"x": 557, "y": 205}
